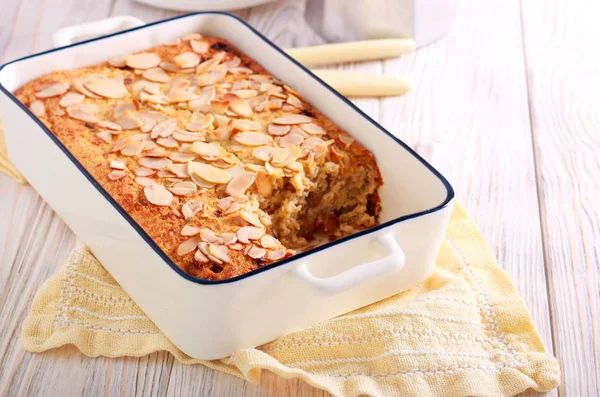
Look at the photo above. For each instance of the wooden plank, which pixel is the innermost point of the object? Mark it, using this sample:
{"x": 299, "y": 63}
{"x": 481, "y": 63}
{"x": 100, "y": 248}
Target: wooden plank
{"x": 562, "y": 66}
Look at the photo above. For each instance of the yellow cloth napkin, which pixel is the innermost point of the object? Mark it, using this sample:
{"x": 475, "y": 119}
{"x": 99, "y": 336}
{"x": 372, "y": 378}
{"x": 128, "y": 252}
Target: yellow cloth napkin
{"x": 463, "y": 332}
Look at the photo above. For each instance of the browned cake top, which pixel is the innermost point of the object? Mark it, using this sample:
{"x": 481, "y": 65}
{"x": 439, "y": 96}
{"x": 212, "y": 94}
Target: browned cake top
{"x": 218, "y": 161}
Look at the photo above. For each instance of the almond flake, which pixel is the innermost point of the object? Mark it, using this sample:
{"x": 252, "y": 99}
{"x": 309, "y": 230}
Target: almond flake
{"x": 292, "y": 119}
{"x": 235, "y": 170}
{"x": 168, "y": 142}
{"x": 251, "y": 218}
{"x": 164, "y": 128}
{"x": 206, "y": 150}
{"x": 180, "y": 95}
{"x": 183, "y": 188}
{"x": 189, "y": 231}
{"x": 218, "y": 107}
{"x": 157, "y": 75}
{"x": 179, "y": 157}
{"x": 114, "y": 175}
{"x": 200, "y": 122}
{"x": 155, "y": 152}
{"x": 238, "y": 105}
{"x": 180, "y": 170}
{"x": 155, "y": 163}
{"x": 208, "y": 65}
{"x": 233, "y": 62}
{"x": 144, "y": 181}
{"x": 252, "y": 138}
{"x": 228, "y": 238}
{"x": 294, "y": 101}
{"x": 290, "y": 140}
{"x": 158, "y": 195}
{"x": 312, "y": 129}
{"x": 263, "y": 184}
{"x": 186, "y": 60}
{"x": 246, "y": 125}
{"x": 208, "y": 172}
{"x": 200, "y": 257}
{"x": 256, "y": 252}
{"x": 272, "y": 170}
{"x": 203, "y": 247}
{"x": 245, "y": 94}
{"x": 118, "y": 62}
{"x": 142, "y": 61}
{"x": 105, "y": 136}
{"x": 267, "y": 241}
{"x": 234, "y": 207}
{"x": 269, "y": 153}
{"x": 191, "y": 208}
{"x": 247, "y": 233}
{"x": 293, "y": 153}
{"x": 182, "y": 136}
{"x": 206, "y": 95}
{"x": 237, "y": 247}
{"x": 241, "y": 70}
{"x": 208, "y": 235}
{"x": 219, "y": 252}
{"x": 122, "y": 108}
{"x": 71, "y": 98}
{"x": 37, "y": 108}
{"x": 54, "y": 89}
{"x": 78, "y": 85}
{"x": 108, "y": 88}
{"x": 275, "y": 255}
{"x": 188, "y": 246}
{"x": 201, "y": 182}
{"x": 167, "y": 174}
{"x": 120, "y": 144}
{"x": 110, "y": 125}
{"x": 295, "y": 167}
{"x": 117, "y": 164}
{"x": 347, "y": 140}
{"x": 78, "y": 113}
{"x": 239, "y": 184}
{"x": 133, "y": 148}
{"x": 225, "y": 203}
{"x": 278, "y": 129}
{"x": 128, "y": 121}
{"x": 199, "y": 47}
{"x": 211, "y": 78}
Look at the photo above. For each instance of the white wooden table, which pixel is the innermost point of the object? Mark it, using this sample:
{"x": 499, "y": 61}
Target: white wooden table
{"x": 507, "y": 106}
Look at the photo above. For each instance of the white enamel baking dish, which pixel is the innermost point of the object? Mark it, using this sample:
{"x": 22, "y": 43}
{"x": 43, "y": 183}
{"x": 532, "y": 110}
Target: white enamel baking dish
{"x": 212, "y": 319}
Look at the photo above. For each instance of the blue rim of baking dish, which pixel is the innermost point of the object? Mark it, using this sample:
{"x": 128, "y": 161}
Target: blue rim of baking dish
{"x": 142, "y": 232}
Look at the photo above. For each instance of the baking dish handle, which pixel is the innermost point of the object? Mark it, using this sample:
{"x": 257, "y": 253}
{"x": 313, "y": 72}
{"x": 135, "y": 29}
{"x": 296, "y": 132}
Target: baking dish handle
{"x": 364, "y": 273}
{"x": 85, "y": 31}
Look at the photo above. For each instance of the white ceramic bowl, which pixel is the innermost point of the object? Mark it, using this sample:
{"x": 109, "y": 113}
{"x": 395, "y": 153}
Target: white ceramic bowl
{"x": 212, "y": 319}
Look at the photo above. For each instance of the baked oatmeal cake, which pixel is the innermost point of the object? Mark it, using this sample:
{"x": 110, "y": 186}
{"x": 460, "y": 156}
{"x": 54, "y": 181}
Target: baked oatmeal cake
{"x": 223, "y": 165}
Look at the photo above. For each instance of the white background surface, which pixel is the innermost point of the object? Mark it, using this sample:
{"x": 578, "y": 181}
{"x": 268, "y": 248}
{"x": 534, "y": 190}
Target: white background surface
{"x": 507, "y": 106}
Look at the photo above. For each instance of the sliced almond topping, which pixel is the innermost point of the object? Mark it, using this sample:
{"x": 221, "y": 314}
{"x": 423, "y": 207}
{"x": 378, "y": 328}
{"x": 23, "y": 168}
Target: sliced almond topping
{"x": 157, "y": 75}
{"x": 225, "y": 203}
{"x": 117, "y": 164}
{"x": 241, "y": 70}
{"x": 164, "y": 128}
{"x": 120, "y": 144}
{"x": 201, "y": 182}
{"x": 38, "y": 108}
{"x": 293, "y": 153}
{"x": 346, "y": 139}
{"x": 133, "y": 148}
{"x": 110, "y": 125}
{"x": 54, "y": 89}
{"x": 245, "y": 94}
{"x": 183, "y": 136}
{"x": 180, "y": 95}
{"x": 294, "y": 101}
{"x": 155, "y": 163}
{"x": 256, "y": 252}
{"x": 312, "y": 142}
{"x": 206, "y": 150}
{"x": 208, "y": 235}
{"x": 238, "y": 105}
{"x": 122, "y": 108}
{"x": 278, "y": 129}
{"x": 228, "y": 238}
{"x": 212, "y": 77}
{"x": 269, "y": 153}
{"x": 142, "y": 61}
{"x": 117, "y": 62}
{"x": 234, "y": 207}
{"x": 292, "y": 119}
{"x": 247, "y": 233}
{"x": 272, "y": 170}
{"x": 246, "y": 125}
{"x": 206, "y": 95}
{"x": 108, "y": 88}
{"x": 57, "y": 111}
{"x": 251, "y": 218}
{"x": 71, "y": 98}
{"x": 143, "y": 171}
{"x": 290, "y": 140}
{"x": 267, "y": 241}
{"x": 179, "y": 169}
{"x": 168, "y": 174}
{"x": 239, "y": 184}
{"x": 191, "y": 208}
{"x": 275, "y": 255}
{"x": 117, "y": 174}
{"x": 200, "y": 121}
{"x": 252, "y": 138}
{"x": 79, "y": 113}
{"x": 237, "y": 247}
{"x": 200, "y": 257}
{"x": 219, "y": 252}
{"x": 263, "y": 184}
{"x": 233, "y": 62}
{"x": 188, "y": 246}
{"x": 189, "y": 231}
{"x": 144, "y": 181}
{"x": 78, "y": 85}
{"x": 312, "y": 129}
{"x": 186, "y": 60}
{"x": 169, "y": 67}
{"x": 235, "y": 170}
{"x": 295, "y": 167}
{"x": 297, "y": 131}
{"x": 105, "y": 136}
{"x": 128, "y": 121}
{"x": 208, "y": 172}
{"x": 204, "y": 248}
{"x": 158, "y": 195}
{"x": 208, "y": 65}
{"x": 199, "y": 47}
{"x": 183, "y": 188}
{"x": 179, "y": 157}
{"x": 168, "y": 142}
{"x": 218, "y": 107}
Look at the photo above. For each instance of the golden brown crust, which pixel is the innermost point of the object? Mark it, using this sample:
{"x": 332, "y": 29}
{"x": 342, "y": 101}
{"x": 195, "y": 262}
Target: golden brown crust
{"x": 163, "y": 223}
